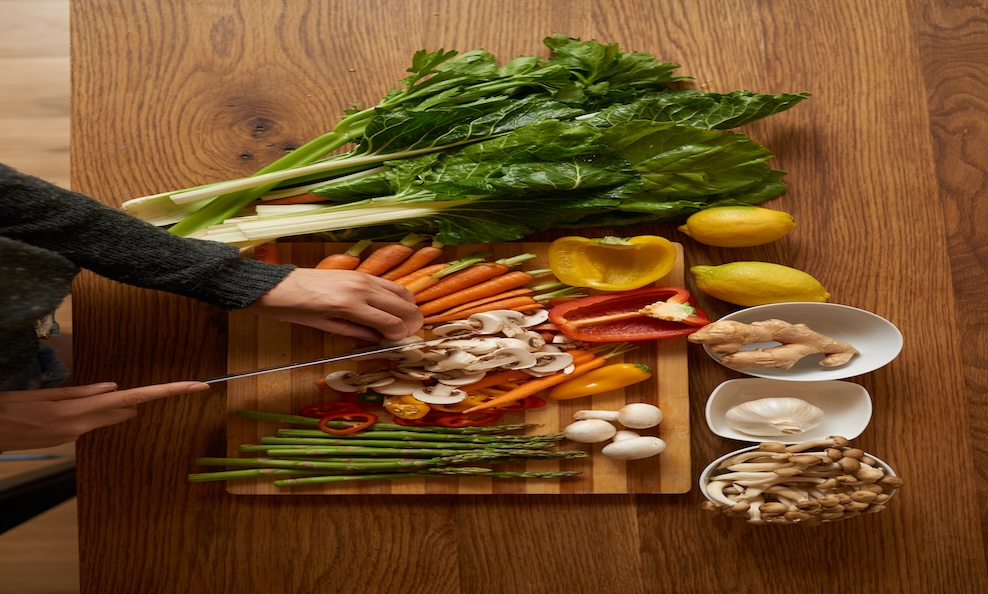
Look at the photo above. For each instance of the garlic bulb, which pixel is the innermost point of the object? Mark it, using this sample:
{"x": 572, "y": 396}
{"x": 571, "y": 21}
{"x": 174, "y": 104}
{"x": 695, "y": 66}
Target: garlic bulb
{"x": 774, "y": 416}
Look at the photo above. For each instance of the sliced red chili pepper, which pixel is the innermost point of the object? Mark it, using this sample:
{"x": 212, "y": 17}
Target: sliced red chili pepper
{"x": 330, "y": 408}
{"x": 523, "y": 404}
{"x": 611, "y": 317}
{"x": 359, "y": 420}
{"x": 477, "y": 419}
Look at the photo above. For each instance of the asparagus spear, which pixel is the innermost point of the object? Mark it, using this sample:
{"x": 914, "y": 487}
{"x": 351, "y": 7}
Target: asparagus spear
{"x": 485, "y": 472}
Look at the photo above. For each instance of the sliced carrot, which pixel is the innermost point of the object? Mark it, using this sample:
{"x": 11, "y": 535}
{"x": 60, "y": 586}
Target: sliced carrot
{"x": 388, "y": 256}
{"x": 267, "y": 252}
{"x": 422, "y": 257}
{"x": 536, "y": 385}
{"x": 494, "y": 286}
{"x": 347, "y": 260}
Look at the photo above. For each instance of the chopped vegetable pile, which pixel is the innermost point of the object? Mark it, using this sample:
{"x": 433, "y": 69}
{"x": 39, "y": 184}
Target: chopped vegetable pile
{"x": 473, "y": 152}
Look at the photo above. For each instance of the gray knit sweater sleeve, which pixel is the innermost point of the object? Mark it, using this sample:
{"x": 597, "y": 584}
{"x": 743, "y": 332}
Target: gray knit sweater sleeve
{"x": 118, "y": 246}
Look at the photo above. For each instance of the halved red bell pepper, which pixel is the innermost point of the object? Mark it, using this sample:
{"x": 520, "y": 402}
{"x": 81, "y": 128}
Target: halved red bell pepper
{"x": 642, "y": 314}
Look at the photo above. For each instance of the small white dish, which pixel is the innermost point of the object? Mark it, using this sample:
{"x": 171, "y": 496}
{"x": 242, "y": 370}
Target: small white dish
{"x": 877, "y": 340}
{"x": 846, "y": 407}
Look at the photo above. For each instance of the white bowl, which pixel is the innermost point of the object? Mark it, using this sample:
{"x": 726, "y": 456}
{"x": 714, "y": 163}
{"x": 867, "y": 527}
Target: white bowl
{"x": 877, "y": 340}
{"x": 711, "y": 470}
{"x": 846, "y": 407}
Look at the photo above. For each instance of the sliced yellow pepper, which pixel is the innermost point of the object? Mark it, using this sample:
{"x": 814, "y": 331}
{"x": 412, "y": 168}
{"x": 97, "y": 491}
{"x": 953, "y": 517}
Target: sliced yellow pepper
{"x": 611, "y": 263}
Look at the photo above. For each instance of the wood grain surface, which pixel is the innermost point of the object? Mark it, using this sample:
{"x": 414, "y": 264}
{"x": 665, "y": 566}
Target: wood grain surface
{"x": 257, "y": 343}
{"x": 886, "y": 171}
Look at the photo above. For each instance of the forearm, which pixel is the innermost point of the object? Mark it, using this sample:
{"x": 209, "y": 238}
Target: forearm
{"x": 116, "y": 245}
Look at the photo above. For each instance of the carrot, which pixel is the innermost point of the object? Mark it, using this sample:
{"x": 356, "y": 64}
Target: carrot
{"x": 421, "y": 273}
{"x": 347, "y": 260}
{"x": 420, "y": 281}
{"x": 422, "y": 257}
{"x": 517, "y": 303}
{"x": 267, "y": 252}
{"x": 495, "y": 286}
{"x": 498, "y": 297}
{"x": 306, "y": 198}
{"x": 511, "y": 303}
{"x": 536, "y": 385}
{"x": 388, "y": 256}
{"x": 469, "y": 277}
{"x": 496, "y": 378}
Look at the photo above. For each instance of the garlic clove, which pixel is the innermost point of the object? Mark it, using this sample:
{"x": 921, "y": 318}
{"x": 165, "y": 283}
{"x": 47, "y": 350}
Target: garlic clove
{"x": 774, "y": 416}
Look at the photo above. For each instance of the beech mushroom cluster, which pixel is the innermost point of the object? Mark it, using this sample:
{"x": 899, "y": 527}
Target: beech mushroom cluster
{"x": 806, "y": 483}
{"x": 471, "y": 348}
{"x": 595, "y": 426}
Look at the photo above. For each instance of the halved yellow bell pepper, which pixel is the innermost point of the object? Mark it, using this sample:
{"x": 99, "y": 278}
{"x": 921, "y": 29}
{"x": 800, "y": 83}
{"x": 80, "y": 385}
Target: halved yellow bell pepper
{"x": 602, "y": 379}
{"x": 611, "y": 263}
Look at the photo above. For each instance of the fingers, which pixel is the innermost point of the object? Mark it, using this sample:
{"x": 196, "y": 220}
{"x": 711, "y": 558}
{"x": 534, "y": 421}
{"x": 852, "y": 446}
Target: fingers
{"x": 136, "y": 396}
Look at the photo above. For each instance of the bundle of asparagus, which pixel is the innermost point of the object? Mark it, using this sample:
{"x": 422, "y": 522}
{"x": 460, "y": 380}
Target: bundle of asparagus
{"x": 384, "y": 451}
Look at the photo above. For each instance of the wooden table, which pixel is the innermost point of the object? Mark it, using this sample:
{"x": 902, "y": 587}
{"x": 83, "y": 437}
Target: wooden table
{"x": 886, "y": 164}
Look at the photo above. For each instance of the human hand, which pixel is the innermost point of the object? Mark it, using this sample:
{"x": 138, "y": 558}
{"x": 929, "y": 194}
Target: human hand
{"x": 52, "y": 416}
{"x": 343, "y": 302}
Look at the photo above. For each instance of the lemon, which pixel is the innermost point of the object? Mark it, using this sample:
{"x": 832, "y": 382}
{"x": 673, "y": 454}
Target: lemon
{"x": 757, "y": 283}
{"x": 738, "y": 226}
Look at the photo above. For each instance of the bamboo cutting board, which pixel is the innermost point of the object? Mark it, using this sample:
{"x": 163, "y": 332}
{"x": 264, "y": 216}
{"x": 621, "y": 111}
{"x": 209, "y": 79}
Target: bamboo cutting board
{"x": 256, "y": 342}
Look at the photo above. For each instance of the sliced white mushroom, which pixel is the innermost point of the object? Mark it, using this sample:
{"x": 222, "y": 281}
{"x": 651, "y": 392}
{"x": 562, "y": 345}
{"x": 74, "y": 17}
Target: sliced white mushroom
{"x": 412, "y": 373}
{"x": 476, "y": 346}
{"x": 455, "y": 328}
{"x": 533, "y": 339}
{"x": 550, "y": 363}
{"x": 534, "y": 318}
{"x": 439, "y": 394}
{"x": 459, "y": 377}
{"x": 454, "y": 359}
{"x": 513, "y": 343}
{"x": 511, "y": 358}
{"x": 487, "y": 323}
{"x": 351, "y": 381}
{"x": 399, "y": 388}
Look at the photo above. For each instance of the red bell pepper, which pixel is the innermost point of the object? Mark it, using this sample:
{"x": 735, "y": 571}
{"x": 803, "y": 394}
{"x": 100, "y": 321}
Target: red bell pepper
{"x": 477, "y": 419}
{"x": 330, "y": 408}
{"x": 355, "y": 421}
{"x": 642, "y": 314}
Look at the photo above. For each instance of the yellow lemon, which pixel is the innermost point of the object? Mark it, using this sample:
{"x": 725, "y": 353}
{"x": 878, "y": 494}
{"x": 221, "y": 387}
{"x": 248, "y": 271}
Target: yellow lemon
{"x": 757, "y": 283}
{"x": 738, "y": 226}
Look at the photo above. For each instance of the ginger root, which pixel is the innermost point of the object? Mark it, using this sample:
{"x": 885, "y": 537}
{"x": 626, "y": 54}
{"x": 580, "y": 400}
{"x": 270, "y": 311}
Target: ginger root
{"x": 727, "y": 337}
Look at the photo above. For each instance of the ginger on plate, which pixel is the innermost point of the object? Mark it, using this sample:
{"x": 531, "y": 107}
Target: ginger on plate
{"x": 727, "y": 337}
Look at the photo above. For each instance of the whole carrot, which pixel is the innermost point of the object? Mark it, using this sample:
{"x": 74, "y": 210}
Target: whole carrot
{"x": 424, "y": 278}
{"x": 411, "y": 278}
{"x": 478, "y": 302}
{"x": 494, "y": 286}
{"x": 347, "y": 260}
{"x": 388, "y": 256}
{"x": 423, "y": 256}
{"x": 511, "y": 303}
{"x": 468, "y": 277}
{"x": 536, "y": 385}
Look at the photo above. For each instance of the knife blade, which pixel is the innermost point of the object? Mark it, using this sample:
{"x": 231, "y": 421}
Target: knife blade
{"x": 356, "y": 354}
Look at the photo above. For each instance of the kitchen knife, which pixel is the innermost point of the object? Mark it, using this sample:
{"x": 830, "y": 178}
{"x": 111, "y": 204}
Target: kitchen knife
{"x": 369, "y": 352}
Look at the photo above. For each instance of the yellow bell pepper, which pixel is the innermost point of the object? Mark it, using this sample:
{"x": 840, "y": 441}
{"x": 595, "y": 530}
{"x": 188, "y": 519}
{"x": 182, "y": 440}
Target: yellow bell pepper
{"x": 611, "y": 263}
{"x": 602, "y": 379}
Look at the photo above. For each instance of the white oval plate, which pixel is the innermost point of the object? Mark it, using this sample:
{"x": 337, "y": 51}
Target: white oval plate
{"x": 877, "y": 340}
{"x": 846, "y": 406}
